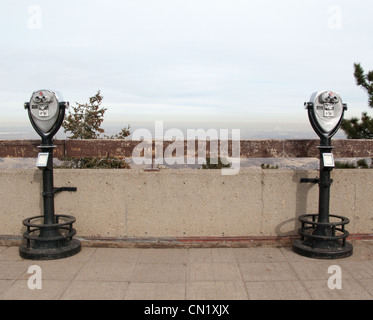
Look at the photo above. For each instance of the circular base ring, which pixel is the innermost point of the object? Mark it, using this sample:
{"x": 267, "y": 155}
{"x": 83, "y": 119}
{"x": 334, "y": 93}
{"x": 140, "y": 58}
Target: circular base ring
{"x": 304, "y": 249}
{"x": 72, "y": 248}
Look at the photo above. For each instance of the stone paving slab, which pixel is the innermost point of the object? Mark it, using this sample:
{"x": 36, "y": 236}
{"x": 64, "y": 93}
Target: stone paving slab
{"x": 255, "y": 273}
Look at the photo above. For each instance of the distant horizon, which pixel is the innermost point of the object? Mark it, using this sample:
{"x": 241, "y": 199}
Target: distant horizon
{"x": 248, "y": 131}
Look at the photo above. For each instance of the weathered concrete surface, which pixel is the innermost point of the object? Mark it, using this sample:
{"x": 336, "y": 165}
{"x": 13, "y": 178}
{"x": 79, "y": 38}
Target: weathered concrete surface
{"x": 134, "y": 204}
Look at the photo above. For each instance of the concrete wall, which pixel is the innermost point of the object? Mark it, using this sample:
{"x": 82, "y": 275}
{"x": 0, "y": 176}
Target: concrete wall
{"x": 134, "y": 204}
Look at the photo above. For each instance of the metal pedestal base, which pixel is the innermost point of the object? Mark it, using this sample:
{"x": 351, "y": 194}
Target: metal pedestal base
{"x": 331, "y": 251}
{"x": 70, "y": 249}
{"x": 323, "y": 240}
{"x": 49, "y": 241}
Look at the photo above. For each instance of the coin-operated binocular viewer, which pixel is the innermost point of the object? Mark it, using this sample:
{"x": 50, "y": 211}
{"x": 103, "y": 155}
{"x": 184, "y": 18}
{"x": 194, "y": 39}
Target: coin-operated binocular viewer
{"x": 48, "y": 236}
{"x": 323, "y": 235}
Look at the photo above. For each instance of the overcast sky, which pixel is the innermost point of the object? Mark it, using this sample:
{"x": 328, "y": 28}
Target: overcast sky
{"x": 185, "y": 60}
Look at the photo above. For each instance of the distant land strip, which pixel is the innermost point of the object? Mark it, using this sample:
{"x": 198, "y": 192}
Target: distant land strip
{"x": 271, "y": 148}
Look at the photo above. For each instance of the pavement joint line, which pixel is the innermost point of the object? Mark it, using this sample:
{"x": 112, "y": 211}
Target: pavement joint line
{"x": 288, "y": 285}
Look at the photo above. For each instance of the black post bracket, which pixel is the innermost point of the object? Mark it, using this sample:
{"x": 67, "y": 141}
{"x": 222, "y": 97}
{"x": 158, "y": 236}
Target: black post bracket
{"x": 308, "y": 180}
{"x": 316, "y": 180}
{"x": 57, "y": 190}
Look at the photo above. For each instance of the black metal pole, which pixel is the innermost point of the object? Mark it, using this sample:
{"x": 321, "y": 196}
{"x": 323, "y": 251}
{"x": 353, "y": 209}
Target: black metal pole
{"x": 48, "y": 189}
{"x": 324, "y": 182}
{"x": 48, "y": 195}
{"x": 319, "y": 238}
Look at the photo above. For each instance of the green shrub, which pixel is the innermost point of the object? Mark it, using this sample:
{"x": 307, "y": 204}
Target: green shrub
{"x": 215, "y": 165}
{"x": 344, "y": 165}
{"x": 360, "y": 164}
{"x": 94, "y": 163}
{"x": 268, "y": 166}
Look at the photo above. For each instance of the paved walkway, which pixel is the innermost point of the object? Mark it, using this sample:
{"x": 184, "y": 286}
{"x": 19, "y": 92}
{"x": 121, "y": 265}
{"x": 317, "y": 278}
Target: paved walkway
{"x": 184, "y": 274}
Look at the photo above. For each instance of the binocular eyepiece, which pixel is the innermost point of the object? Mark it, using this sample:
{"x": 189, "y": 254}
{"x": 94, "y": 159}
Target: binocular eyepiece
{"x": 46, "y": 111}
{"x": 328, "y": 97}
